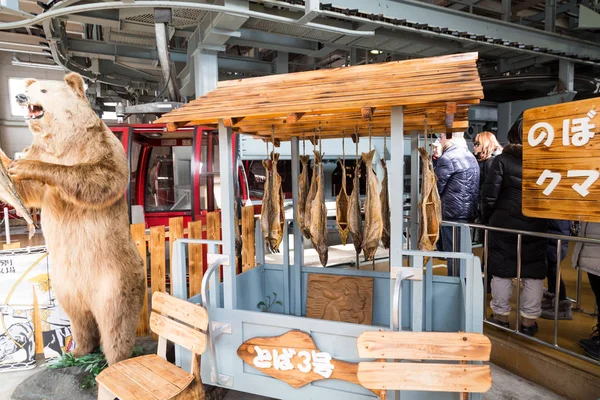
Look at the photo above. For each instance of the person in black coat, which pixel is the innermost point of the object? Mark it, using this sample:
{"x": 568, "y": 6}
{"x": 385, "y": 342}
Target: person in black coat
{"x": 501, "y": 207}
{"x": 457, "y": 175}
{"x": 485, "y": 149}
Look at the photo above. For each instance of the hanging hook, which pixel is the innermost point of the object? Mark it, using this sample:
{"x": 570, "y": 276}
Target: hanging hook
{"x": 370, "y": 131}
{"x": 356, "y": 135}
{"x": 384, "y": 142}
{"x": 343, "y": 151}
{"x": 320, "y": 140}
{"x": 425, "y": 130}
{"x": 303, "y": 144}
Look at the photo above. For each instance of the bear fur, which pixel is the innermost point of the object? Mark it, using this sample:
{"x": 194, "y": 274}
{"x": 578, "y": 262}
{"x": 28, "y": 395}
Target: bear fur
{"x": 76, "y": 172}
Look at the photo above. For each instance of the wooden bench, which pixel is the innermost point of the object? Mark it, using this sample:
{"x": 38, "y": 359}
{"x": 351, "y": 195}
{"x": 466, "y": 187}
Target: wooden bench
{"x": 152, "y": 377}
{"x": 455, "y": 375}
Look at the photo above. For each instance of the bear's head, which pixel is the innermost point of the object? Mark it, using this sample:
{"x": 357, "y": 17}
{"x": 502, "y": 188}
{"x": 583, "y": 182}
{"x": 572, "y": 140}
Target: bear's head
{"x": 56, "y": 107}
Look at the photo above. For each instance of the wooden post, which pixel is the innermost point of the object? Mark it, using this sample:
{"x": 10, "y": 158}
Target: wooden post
{"x": 195, "y": 255}
{"x": 138, "y": 232}
{"x": 248, "y": 256}
{"x": 175, "y": 232}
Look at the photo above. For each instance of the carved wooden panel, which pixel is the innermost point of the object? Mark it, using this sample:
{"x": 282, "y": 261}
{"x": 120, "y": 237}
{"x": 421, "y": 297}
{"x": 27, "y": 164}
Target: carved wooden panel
{"x": 340, "y": 298}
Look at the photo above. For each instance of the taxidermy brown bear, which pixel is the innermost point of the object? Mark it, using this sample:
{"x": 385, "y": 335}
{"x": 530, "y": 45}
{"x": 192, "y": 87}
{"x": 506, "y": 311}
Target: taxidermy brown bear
{"x": 76, "y": 172}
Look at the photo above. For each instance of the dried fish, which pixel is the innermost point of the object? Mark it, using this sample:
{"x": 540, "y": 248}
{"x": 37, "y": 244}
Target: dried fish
{"x": 318, "y": 224}
{"x": 342, "y": 203}
{"x": 11, "y": 196}
{"x": 303, "y": 187}
{"x": 272, "y": 215}
{"x": 373, "y": 219}
{"x": 385, "y": 207}
{"x": 430, "y": 206}
{"x": 237, "y": 210}
{"x": 354, "y": 213}
{"x": 309, "y": 199}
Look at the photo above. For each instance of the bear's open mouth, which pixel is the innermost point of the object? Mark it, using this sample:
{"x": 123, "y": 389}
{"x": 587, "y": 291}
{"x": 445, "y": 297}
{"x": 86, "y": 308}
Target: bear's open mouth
{"x": 34, "y": 112}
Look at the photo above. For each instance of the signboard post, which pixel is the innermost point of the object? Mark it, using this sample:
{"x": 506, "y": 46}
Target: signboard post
{"x": 561, "y": 161}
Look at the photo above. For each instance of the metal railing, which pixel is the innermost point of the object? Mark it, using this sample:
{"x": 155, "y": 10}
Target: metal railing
{"x": 559, "y": 240}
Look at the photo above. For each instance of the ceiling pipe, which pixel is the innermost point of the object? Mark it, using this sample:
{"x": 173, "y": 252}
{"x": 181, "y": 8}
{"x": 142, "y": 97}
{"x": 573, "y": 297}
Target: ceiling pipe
{"x": 161, "y": 17}
{"x": 54, "y": 13}
{"x": 17, "y": 62}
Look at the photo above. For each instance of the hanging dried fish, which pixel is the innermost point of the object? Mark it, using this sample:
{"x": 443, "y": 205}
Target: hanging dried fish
{"x": 318, "y": 224}
{"x": 303, "y": 187}
{"x": 430, "y": 206}
{"x": 272, "y": 216}
{"x": 385, "y": 206}
{"x": 373, "y": 218}
{"x": 312, "y": 192}
{"x": 354, "y": 214}
{"x": 342, "y": 204}
{"x": 237, "y": 211}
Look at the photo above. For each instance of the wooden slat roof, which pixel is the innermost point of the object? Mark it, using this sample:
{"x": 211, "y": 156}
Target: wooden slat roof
{"x": 338, "y": 100}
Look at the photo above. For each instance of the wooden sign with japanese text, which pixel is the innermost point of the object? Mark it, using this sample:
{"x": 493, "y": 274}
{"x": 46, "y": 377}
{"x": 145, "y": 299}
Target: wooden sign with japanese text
{"x": 561, "y": 161}
{"x": 295, "y": 359}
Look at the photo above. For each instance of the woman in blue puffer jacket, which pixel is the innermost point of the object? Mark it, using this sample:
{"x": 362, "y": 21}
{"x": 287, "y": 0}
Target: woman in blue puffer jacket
{"x": 457, "y": 175}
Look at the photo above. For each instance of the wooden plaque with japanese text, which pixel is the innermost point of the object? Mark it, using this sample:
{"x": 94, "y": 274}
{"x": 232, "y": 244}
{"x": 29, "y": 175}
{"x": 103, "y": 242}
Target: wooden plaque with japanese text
{"x": 295, "y": 359}
{"x": 561, "y": 161}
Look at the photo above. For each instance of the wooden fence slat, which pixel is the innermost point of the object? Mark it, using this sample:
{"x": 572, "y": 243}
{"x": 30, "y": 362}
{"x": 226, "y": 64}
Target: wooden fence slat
{"x": 157, "y": 259}
{"x": 138, "y": 232}
{"x": 175, "y": 232}
{"x": 213, "y": 232}
{"x": 213, "y": 225}
{"x": 248, "y": 256}
{"x": 195, "y": 257}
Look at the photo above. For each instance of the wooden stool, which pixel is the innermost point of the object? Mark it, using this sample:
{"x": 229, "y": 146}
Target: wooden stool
{"x": 152, "y": 377}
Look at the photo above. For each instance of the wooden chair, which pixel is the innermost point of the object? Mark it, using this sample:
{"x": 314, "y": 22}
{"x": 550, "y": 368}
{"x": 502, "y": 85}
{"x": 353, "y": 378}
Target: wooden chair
{"x": 458, "y": 348}
{"x": 152, "y": 377}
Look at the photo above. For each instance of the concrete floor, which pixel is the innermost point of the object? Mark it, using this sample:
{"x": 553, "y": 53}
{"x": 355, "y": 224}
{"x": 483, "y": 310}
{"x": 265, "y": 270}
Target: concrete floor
{"x": 506, "y": 386}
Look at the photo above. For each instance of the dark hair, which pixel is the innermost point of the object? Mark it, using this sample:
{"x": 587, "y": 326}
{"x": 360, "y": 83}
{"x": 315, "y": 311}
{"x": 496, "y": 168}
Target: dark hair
{"x": 515, "y": 133}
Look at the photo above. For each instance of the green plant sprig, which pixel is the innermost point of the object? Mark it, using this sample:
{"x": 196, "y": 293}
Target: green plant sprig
{"x": 93, "y": 364}
{"x": 265, "y": 306}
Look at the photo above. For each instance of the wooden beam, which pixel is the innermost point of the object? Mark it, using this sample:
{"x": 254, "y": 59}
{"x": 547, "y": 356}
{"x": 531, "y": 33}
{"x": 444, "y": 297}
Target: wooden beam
{"x": 230, "y": 122}
{"x": 367, "y": 112}
{"x": 173, "y": 126}
{"x": 450, "y": 111}
{"x": 292, "y": 118}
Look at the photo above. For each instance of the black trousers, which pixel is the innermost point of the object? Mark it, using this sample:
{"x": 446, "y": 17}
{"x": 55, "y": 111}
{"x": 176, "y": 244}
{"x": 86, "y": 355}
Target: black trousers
{"x": 595, "y": 284}
{"x": 551, "y": 275}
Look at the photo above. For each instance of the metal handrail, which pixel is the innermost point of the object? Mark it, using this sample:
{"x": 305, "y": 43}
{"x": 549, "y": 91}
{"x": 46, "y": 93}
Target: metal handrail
{"x": 520, "y": 233}
{"x": 214, "y": 266}
{"x": 526, "y": 233}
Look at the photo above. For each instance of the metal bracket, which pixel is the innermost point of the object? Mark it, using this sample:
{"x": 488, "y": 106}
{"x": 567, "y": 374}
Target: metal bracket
{"x": 220, "y": 328}
{"x": 224, "y": 380}
{"x": 402, "y": 273}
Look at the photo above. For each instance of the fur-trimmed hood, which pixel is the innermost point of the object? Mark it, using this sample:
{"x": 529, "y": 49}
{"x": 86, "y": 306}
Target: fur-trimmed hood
{"x": 515, "y": 150}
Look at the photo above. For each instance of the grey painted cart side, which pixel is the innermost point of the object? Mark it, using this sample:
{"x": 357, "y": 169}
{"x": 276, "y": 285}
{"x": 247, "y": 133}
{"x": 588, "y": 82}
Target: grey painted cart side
{"x": 427, "y": 303}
